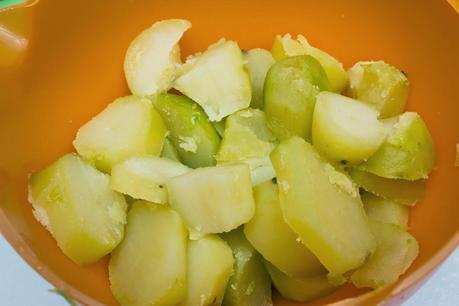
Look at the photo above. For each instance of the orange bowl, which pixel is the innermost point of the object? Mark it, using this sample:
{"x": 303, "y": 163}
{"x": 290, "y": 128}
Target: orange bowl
{"x": 61, "y": 63}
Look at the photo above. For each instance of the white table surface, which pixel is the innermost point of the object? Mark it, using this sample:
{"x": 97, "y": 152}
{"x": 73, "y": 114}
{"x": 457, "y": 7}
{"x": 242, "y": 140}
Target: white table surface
{"x": 22, "y": 286}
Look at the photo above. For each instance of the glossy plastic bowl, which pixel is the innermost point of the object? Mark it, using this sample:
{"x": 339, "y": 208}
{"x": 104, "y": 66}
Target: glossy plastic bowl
{"x": 61, "y": 63}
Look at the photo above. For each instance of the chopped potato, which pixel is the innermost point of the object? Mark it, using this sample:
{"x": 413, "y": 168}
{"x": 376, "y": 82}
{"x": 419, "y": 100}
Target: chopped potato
{"x": 407, "y": 153}
{"x": 75, "y": 203}
{"x": 381, "y": 85}
{"x": 322, "y": 206}
{"x": 128, "y": 126}
{"x": 149, "y": 266}
{"x": 217, "y": 80}
{"x": 210, "y": 265}
{"x": 387, "y": 211}
{"x": 152, "y": 58}
{"x": 214, "y": 199}
{"x": 258, "y": 62}
{"x": 145, "y": 177}
{"x": 395, "y": 252}
{"x": 284, "y": 248}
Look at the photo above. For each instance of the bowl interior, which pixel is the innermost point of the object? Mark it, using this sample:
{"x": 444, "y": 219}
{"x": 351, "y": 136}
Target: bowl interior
{"x": 72, "y": 68}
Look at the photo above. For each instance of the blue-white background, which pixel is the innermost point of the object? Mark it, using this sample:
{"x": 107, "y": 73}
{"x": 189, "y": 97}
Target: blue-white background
{"x": 22, "y": 286}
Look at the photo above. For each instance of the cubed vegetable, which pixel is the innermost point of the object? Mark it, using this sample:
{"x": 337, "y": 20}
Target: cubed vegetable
{"x": 250, "y": 283}
{"x": 258, "y": 61}
{"x": 149, "y": 266}
{"x": 273, "y": 238}
{"x": 322, "y": 206}
{"x": 395, "y": 252}
{"x": 152, "y": 58}
{"x": 145, "y": 177}
{"x": 290, "y": 91}
{"x": 217, "y": 80}
{"x": 285, "y": 46}
{"x": 75, "y": 203}
{"x": 214, "y": 199}
{"x": 210, "y": 265}
{"x": 127, "y": 127}
{"x": 299, "y": 289}
{"x": 401, "y": 191}
{"x": 191, "y": 133}
{"x": 345, "y": 130}
{"x": 407, "y": 153}
{"x": 387, "y": 211}
{"x": 248, "y": 139}
{"x": 381, "y": 85}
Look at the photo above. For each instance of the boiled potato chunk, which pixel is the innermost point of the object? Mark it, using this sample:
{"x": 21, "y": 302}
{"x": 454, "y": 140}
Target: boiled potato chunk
{"x": 75, "y": 203}
{"x": 407, "y": 153}
{"x": 401, "y": 191}
{"x": 214, "y": 199}
{"x": 128, "y": 126}
{"x": 145, "y": 177}
{"x": 210, "y": 265}
{"x": 248, "y": 139}
{"x": 150, "y": 266}
{"x": 322, "y": 206}
{"x": 395, "y": 252}
{"x": 258, "y": 62}
{"x": 387, "y": 211}
{"x": 299, "y": 289}
{"x": 169, "y": 151}
{"x": 273, "y": 238}
{"x": 217, "y": 80}
{"x": 285, "y": 46}
{"x": 290, "y": 91}
{"x": 250, "y": 283}
{"x": 345, "y": 130}
{"x": 151, "y": 59}
{"x": 381, "y": 85}
{"x": 191, "y": 133}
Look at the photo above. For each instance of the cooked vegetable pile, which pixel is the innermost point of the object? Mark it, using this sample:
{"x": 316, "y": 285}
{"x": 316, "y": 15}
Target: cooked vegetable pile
{"x": 273, "y": 167}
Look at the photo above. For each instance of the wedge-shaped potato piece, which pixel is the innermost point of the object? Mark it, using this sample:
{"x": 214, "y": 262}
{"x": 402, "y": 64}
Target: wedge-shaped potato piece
{"x": 246, "y": 136}
{"x": 214, "y": 199}
{"x": 258, "y": 61}
{"x": 210, "y": 265}
{"x": 299, "y": 289}
{"x": 248, "y": 139}
{"x": 401, "y": 191}
{"x": 145, "y": 177}
{"x": 149, "y": 266}
{"x": 290, "y": 91}
{"x": 395, "y": 252}
{"x": 169, "y": 151}
{"x": 75, "y": 203}
{"x": 273, "y": 238}
{"x": 322, "y": 206}
{"x": 128, "y": 126}
{"x": 191, "y": 133}
{"x": 285, "y": 46}
{"x": 381, "y": 85}
{"x": 217, "y": 80}
{"x": 407, "y": 153}
{"x": 387, "y": 211}
{"x": 250, "y": 283}
{"x": 152, "y": 58}
{"x": 345, "y": 130}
